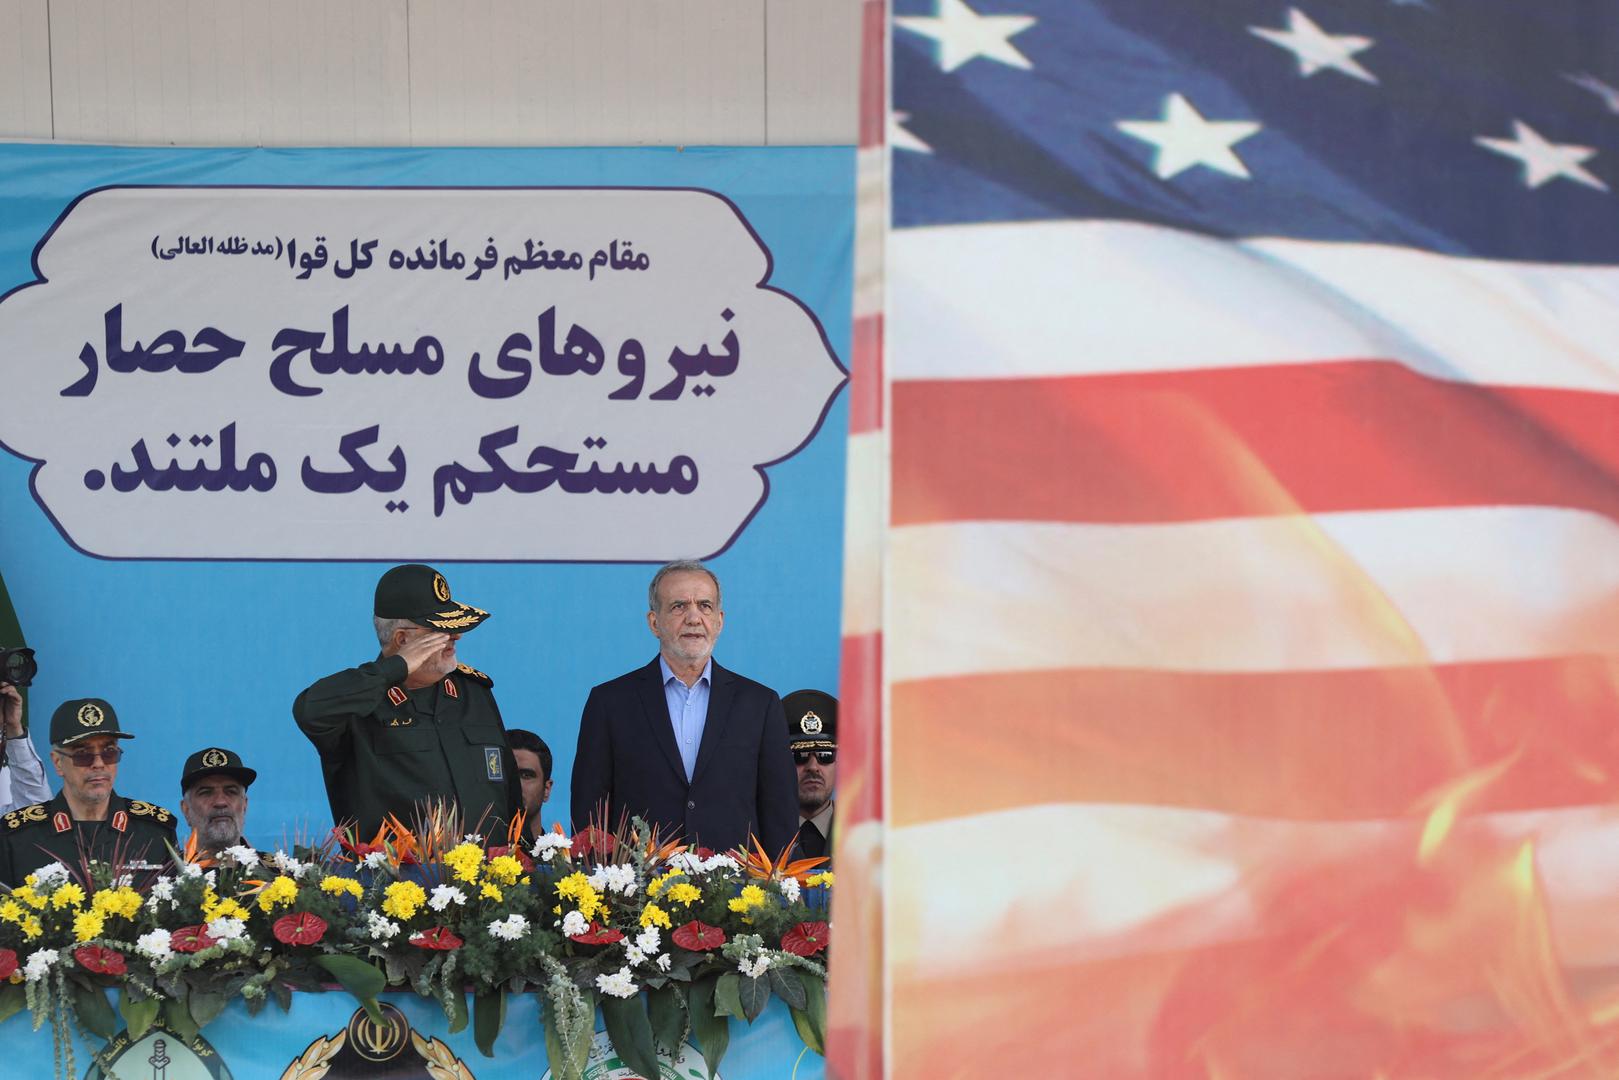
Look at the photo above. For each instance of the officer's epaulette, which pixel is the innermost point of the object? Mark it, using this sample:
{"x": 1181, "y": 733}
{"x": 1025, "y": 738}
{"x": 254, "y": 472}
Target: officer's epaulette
{"x": 27, "y": 815}
{"x": 151, "y": 810}
{"x": 475, "y": 673}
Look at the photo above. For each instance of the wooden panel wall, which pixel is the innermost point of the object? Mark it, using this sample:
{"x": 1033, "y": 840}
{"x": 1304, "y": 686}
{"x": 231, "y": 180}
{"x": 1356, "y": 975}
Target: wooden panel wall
{"x": 429, "y": 72}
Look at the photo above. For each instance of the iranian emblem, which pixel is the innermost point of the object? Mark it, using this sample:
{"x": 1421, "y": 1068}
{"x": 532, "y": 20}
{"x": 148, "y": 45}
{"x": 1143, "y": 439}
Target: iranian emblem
{"x": 90, "y": 715}
{"x": 161, "y": 1053}
{"x": 492, "y": 763}
{"x": 215, "y": 758}
{"x": 441, "y": 588}
{"x": 368, "y": 1048}
{"x": 810, "y": 724}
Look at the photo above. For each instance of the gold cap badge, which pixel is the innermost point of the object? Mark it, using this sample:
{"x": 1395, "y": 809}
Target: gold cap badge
{"x": 90, "y": 715}
{"x": 215, "y": 758}
{"x": 441, "y": 588}
{"x": 809, "y": 724}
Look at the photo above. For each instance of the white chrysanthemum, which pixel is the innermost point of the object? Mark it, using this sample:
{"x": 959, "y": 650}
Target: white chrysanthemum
{"x": 190, "y": 870}
{"x": 663, "y": 962}
{"x": 162, "y": 891}
{"x": 510, "y": 928}
{"x": 755, "y": 967}
{"x": 647, "y": 940}
{"x": 634, "y": 955}
{"x": 445, "y": 895}
{"x": 686, "y": 862}
{"x": 287, "y": 864}
{"x": 720, "y": 862}
{"x": 613, "y": 878}
{"x": 790, "y": 890}
{"x": 47, "y": 878}
{"x": 573, "y": 923}
{"x": 379, "y": 927}
{"x": 211, "y": 879}
{"x": 551, "y": 841}
{"x": 39, "y": 965}
{"x": 375, "y": 860}
{"x": 226, "y": 928}
{"x": 619, "y": 983}
{"x": 243, "y": 856}
{"x": 472, "y": 838}
{"x": 155, "y": 945}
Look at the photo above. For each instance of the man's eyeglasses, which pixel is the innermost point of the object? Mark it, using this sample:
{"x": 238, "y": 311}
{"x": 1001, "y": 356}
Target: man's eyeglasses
{"x": 86, "y": 758}
{"x": 825, "y": 757}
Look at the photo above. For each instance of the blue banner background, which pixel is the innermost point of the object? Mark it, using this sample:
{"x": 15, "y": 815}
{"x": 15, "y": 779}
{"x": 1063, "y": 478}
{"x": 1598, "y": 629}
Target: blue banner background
{"x": 212, "y": 653}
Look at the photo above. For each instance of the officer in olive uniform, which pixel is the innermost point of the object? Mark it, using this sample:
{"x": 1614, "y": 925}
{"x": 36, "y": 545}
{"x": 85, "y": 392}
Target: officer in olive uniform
{"x": 213, "y": 799}
{"x": 812, "y": 736}
{"x": 87, "y": 820}
{"x": 413, "y": 724}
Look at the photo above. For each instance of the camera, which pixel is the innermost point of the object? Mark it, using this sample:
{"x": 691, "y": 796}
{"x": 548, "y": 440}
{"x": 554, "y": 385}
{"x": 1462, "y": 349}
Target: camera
{"x": 17, "y": 666}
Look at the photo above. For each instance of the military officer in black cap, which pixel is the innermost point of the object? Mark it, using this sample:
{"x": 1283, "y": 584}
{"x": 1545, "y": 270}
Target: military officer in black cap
{"x": 213, "y": 799}
{"x": 812, "y": 736}
{"x": 88, "y": 820}
{"x": 413, "y": 724}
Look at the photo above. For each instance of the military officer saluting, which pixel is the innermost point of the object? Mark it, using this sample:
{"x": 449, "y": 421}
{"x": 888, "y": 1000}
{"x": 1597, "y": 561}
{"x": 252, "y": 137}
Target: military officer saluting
{"x": 88, "y": 820}
{"x": 413, "y": 724}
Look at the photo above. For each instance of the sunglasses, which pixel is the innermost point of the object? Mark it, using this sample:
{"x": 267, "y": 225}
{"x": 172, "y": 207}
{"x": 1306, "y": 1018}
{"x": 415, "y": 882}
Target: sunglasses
{"x": 825, "y": 757}
{"x": 86, "y": 758}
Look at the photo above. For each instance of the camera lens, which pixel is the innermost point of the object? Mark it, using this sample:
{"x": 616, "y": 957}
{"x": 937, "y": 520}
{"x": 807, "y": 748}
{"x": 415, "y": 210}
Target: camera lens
{"x": 17, "y": 666}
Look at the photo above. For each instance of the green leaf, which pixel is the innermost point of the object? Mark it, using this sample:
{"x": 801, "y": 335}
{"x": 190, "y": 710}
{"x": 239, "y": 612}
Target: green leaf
{"x": 728, "y": 996}
{"x": 755, "y": 995}
{"x": 811, "y": 1020}
{"x": 785, "y": 985}
{"x": 668, "y": 1018}
{"x": 94, "y": 1013}
{"x": 206, "y": 1005}
{"x": 359, "y": 978}
{"x": 631, "y": 1032}
{"x": 138, "y": 1013}
{"x": 567, "y": 1063}
{"x": 282, "y": 994}
{"x": 488, "y": 1014}
{"x": 713, "y": 1032}
{"x": 13, "y": 999}
{"x": 177, "y": 1018}
{"x": 458, "y": 1015}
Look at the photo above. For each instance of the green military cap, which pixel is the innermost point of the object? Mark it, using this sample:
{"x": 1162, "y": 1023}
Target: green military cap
{"x": 81, "y": 718}
{"x": 812, "y": 720}
{"x": 420, "y": 594}
{"x": 216, "y": 759}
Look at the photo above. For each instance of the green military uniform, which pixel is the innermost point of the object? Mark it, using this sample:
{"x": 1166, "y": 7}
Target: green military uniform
{"x": 384, "y": 749}
{"x": 134, "y": 837}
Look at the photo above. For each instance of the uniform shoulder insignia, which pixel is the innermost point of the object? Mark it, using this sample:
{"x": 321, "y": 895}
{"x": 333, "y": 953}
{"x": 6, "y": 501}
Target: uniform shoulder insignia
{"x": 151, "y": 810}
{"x": 27, "y": 815}
{"x": 474, "y": 673}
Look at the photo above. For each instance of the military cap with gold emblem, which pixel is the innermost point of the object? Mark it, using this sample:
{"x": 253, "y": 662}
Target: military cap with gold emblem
{"x": 812, "y": 720}
{"x": 421, "y": 595}
{"x": 215, "y": 759}
{"x": 81, "y": 718}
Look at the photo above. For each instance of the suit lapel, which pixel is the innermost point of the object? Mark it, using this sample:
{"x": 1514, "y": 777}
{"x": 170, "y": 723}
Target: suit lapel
{"x": 655, "y": 708}
{"x": 721, "y": 692}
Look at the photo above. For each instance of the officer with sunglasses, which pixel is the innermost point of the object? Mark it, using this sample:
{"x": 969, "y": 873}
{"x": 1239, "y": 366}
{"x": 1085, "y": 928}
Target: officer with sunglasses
{"x": 812, "y": 736}
{"x": 88, "y": 820}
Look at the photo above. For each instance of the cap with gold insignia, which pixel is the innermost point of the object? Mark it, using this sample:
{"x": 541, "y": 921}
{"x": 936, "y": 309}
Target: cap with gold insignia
{"x": 81, "y": 718}
{"x": 420, "y": 593}
{"x": 215, "y": 759}
{"x": 812, "y": 720}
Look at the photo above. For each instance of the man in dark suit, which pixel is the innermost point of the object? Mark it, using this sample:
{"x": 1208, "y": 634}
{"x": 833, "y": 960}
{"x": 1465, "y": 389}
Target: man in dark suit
{"x": 682, "y": 742}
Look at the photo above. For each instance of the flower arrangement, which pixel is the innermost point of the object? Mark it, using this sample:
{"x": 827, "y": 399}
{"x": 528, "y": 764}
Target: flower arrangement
{"x": 670, "y": 943}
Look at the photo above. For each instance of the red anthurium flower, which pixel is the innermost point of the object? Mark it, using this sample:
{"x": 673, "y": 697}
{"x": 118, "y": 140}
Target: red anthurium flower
{"x": 8, "y": 964}
{"x": 705, "y": 853}
{"x": 597, "y": 935}
{"x": 300, "y": 929}
{"x": 805, "y": 939}
{"x": 191, "y": 939}
{"x": 699, "y": 936}
{"x": 100, "y": 959}
{"x": 441, "y": 938}
{"x": 592, "y": 839}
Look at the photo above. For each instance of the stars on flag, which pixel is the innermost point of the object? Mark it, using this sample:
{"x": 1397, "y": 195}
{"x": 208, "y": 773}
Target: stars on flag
{"x": 1544, "y": 161}
{"x": 900, "y": 138}
{"x": 1184, "y": 138}
{"x": 961, "y": 34}
{"x": 1315, "y": 49}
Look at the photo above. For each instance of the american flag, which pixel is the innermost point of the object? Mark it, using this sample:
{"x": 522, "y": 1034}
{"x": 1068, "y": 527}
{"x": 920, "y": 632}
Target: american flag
{"x": 1252, "y": 570}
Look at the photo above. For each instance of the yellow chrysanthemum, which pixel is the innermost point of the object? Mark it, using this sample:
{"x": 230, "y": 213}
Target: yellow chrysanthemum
{"x": 655, "y": 886}
{"x": 280, "y": 892}
{"x": 491, "y": 892}
{"x": 652, "y": 913}
{"x": 227, "y": 908}
{"x": 820, "y": 879}
{"x": 752, "y": 897}
{"x": 28, "y": 896}
{"x": 339, "y": 886}
{"x": 577, "y": 887}
{"x": 464, "y": 859}
{"x": 31, "y": 928}
{"x": 403, "y": 899}
{"x": 88, "y": 925}
{"x": 69, "y": 895}
{"x": 684, "y": 893}
{"x": 505, "y": 869}
{"x": 122, "y": 902}
{"x": 11, "y": 912}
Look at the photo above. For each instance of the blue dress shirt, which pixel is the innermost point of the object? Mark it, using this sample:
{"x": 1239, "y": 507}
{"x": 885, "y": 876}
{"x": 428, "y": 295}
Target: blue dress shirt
{"x": 688, "y": 710}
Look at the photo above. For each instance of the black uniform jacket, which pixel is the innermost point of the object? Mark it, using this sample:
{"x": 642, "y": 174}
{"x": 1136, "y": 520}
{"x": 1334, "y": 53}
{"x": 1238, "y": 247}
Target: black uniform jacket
{"x": 384, "y": 750}
{"x": 136, "y": 838}
{"x": 742, "y": 784}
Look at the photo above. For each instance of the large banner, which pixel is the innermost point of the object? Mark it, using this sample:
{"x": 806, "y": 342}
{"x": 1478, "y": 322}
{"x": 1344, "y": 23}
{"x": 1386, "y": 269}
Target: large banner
{"x": 236, "y": 385}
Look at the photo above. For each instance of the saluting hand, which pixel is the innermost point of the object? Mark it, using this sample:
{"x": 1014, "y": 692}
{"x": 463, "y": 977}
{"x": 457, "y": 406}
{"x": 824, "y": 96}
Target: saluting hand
{"x": 10, "y": 711}
{"x": 422, "y": 651}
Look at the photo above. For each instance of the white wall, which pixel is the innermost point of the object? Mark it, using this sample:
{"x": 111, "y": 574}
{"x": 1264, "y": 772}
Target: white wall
{"x": 430, "y": 72}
